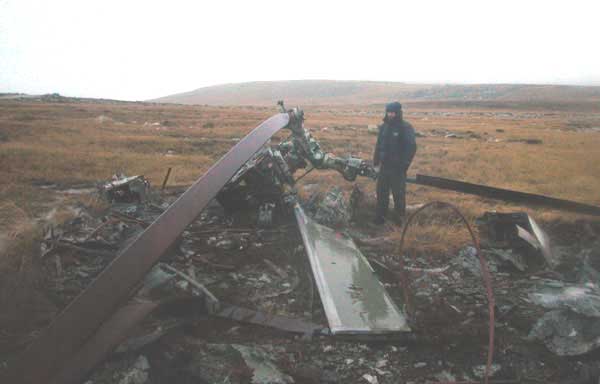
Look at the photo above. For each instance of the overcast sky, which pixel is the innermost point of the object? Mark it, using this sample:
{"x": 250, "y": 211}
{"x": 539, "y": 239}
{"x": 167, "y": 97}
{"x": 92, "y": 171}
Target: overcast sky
{"x": 139, "y": 50}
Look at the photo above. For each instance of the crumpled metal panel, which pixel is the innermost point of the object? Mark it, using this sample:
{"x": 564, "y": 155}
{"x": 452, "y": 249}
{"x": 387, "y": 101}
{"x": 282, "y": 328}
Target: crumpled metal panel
{"x": 582, "y": 298}
{"x": 566, "y": 333}
{"x": 544, "y": 241}
{"x": 539, "y": 240}
{"x": 573, "y": 326}
{"x": 505, "y": 229}
{"x": 354, "y": 299}
{"x": 49, "y": 353}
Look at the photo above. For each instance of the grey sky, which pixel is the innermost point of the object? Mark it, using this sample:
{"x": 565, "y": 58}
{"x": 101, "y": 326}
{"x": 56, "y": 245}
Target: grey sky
{"x": 146, "y": 49}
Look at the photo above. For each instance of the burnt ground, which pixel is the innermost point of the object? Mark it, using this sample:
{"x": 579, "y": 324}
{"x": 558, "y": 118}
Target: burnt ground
{"x": 266, "y": 269}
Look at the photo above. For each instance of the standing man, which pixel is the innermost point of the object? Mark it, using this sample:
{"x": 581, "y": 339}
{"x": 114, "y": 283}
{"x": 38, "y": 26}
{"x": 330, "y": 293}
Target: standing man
{"x": 394, "y": 151}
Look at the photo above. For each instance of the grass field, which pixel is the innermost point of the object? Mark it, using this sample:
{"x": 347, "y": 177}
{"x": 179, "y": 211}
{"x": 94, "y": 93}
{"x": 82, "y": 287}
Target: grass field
{"x": 50, "y": 146}
{"x": 82, "y": 143}
{"x": 69, "y": 144}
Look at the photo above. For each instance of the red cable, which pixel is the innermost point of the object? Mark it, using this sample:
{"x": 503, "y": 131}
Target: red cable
{"x": 487, "y": 279}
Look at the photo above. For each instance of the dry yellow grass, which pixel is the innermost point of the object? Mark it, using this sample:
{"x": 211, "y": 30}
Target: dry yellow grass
{"x": 81, "y": 143}
{"x": 563, "y": 166}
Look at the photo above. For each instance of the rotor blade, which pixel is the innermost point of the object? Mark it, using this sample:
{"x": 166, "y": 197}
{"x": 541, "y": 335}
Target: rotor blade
{"x": 354, "y": 300}
{"x": 81, "y": 319}
{"x": 506, "y": 194}
{"x": 110, "y": 334}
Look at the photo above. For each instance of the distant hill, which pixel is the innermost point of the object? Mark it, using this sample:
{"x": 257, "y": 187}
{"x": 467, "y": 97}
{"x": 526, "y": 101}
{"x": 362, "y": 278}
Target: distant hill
{"x": 331, "y": 92}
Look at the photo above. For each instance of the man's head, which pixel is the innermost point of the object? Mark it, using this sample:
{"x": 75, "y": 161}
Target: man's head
{"x": 393, "y": 112}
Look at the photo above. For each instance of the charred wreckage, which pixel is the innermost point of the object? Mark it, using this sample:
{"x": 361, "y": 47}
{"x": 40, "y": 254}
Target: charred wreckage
{"x": 256, "y": 177}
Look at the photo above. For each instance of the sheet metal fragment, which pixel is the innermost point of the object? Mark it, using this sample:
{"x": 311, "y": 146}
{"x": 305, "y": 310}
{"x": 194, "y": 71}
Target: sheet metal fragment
{"x": 123, "y": 189}
{"x": 508, "y": 229}
{"x": 573, "y": 325}
{"x": 566, "y": 333}
{"x": 579, "y": 298}
{"x": 544, "y": 241}
{"x": 354, "y": 300}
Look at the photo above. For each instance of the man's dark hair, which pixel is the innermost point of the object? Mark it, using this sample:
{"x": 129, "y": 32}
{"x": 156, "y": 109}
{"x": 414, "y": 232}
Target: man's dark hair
{"x": 393, "y": 107}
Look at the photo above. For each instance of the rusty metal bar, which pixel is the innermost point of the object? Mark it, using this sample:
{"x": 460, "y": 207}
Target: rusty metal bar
{"x": 212, "y": 303}
{"x": 283, "y": 323}
{"x": 164, "y": 184}
{"x": 505, "y": 194}
{"x": 48, "y": 354}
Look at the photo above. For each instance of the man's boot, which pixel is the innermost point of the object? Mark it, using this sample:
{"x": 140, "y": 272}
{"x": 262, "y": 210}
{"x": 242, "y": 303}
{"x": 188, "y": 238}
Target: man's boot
{"x": 378, "y": 220}
{"x": 399, "y": 217}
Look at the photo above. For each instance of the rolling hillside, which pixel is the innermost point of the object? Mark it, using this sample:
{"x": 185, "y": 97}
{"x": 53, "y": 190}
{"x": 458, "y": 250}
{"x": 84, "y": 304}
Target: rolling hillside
{"x": 331, "y": 92}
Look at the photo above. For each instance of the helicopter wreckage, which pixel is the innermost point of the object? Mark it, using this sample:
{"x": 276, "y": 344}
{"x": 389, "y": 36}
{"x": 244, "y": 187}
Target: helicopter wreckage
{"x": 258, "y": 178}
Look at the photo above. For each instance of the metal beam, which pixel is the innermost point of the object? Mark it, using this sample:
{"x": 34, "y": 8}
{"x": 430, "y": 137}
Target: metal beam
{"x": 46, "y": 356}
{"x": 284, "y": 323}
{"x": 505, "y": 194}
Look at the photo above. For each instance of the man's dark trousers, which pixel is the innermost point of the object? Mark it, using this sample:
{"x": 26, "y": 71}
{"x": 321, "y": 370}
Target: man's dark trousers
{"x": 393, "y": 179}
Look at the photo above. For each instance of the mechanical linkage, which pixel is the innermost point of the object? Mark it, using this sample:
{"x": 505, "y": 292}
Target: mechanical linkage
{"x": 266, "y": 183}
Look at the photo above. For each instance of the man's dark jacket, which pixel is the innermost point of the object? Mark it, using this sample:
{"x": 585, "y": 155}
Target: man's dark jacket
{"x": 396, "y": 145}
